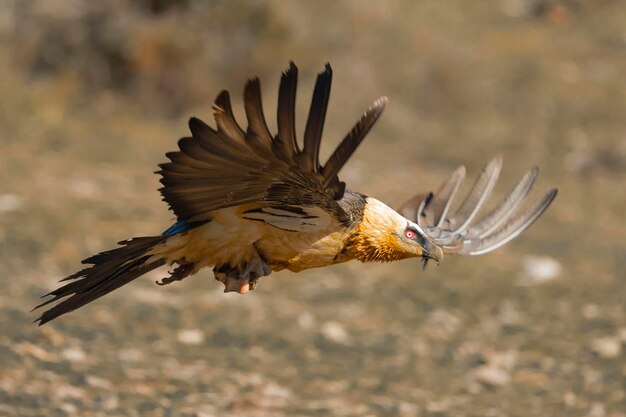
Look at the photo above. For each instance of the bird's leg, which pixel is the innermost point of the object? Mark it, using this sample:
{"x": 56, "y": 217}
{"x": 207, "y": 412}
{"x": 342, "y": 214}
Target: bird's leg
{"x": 243, "y": 279}
{"x": 181, "y": 272}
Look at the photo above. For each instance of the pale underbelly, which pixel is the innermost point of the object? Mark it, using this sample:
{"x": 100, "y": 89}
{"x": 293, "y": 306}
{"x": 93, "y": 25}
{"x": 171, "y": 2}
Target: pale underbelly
{"x": 230, "y": 240}
{"x": 302, "y": 252}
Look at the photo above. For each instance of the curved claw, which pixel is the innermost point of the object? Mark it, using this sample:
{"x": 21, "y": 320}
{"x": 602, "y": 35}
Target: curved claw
{"x": 242, "y": 280}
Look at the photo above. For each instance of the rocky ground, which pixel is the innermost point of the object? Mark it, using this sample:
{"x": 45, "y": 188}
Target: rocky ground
{"x": 92, "y": 97}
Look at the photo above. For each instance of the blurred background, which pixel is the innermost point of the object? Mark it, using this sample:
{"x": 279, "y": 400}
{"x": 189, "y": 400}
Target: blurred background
{"x": 94, "y": 93}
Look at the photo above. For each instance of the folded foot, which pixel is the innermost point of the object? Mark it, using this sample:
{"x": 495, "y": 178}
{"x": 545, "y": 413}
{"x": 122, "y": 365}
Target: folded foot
{"x": 244, "y": 279}
{"x": 181, "y": 272}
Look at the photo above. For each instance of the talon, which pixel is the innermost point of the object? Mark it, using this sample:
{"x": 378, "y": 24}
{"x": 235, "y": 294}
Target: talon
{"x": 242, "y": 281}
{"x": 221, "y": 277}
{"x": 178, "y": 274}
{"x": 253, "y": 283}
{"x": 239, "y": 285}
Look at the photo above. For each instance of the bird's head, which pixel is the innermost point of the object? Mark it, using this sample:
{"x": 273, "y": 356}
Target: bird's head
{"x": 384, "y": 236}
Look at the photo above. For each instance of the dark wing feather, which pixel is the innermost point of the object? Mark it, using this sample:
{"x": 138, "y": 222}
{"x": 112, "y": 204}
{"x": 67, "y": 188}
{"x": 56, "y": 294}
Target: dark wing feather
{"x": 315, "y": 121}
{"x": 225, "y": 119}
{"x": 258, "y": 134}
{"x": 285, "y": 143}
{"x": 352, "y": 140}
{"x": 229, "y": 166}
{"x": 459, "y": 233}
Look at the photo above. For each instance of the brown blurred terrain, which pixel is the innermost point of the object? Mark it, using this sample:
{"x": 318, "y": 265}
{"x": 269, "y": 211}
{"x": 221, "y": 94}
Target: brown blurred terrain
{"x": 93, "y": 95}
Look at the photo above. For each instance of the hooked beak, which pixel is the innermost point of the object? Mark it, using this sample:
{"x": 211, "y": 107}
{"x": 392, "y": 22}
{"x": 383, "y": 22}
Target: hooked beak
{"x": 431, "y": 251}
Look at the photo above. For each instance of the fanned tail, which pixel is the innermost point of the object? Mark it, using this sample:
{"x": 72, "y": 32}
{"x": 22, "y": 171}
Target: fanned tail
{"x": 110, "y": 270}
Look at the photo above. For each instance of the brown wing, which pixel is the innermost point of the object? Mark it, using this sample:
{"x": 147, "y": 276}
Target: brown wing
{"x": 458, "y": 232}
{"x": 230, "y": 166}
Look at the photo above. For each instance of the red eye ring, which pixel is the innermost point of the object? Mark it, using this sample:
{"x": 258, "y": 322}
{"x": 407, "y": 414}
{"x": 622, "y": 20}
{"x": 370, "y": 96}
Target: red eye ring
{"x": 409, "y": 234}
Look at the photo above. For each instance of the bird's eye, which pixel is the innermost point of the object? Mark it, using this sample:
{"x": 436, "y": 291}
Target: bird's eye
{"x": 409, "y": 234}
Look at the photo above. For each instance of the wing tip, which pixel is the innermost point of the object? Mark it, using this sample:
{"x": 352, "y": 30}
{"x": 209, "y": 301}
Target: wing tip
{"x": 460, "y": 171}
{"x": 222, "y": 102}
{"x": 551, "y": 195}
{"x": 328, "y": 69}
{"x": 290, "y": 71}
{"x": 495, "y": 163}
{"x": 194, "y": 122}
{"x": 252, "y": 84}
{"x": 380, "y": 103}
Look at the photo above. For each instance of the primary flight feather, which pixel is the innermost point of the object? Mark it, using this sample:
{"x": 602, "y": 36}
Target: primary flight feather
{"x": 249, "y": 202}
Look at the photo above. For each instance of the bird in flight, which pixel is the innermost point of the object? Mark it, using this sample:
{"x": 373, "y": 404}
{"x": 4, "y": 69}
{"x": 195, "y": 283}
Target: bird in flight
{"x": 249, "y": 202}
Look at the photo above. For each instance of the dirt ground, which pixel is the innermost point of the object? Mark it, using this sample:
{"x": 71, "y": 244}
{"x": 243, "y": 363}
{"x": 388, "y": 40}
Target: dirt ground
{"x": 94, "y": 93}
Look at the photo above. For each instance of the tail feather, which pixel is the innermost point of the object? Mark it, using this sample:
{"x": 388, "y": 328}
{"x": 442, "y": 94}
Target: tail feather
{"x": 110, "y": 270}
{"x": 131, "y": 249}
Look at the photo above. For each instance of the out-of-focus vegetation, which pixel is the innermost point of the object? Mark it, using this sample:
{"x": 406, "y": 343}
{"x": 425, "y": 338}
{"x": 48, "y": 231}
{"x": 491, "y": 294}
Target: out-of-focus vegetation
{"x": 93, "y": 94}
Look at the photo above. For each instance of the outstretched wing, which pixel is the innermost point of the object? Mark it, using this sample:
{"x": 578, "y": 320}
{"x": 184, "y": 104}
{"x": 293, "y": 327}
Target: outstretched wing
{"x": 286, "y": 185}
{"x": 458, "y": 232}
